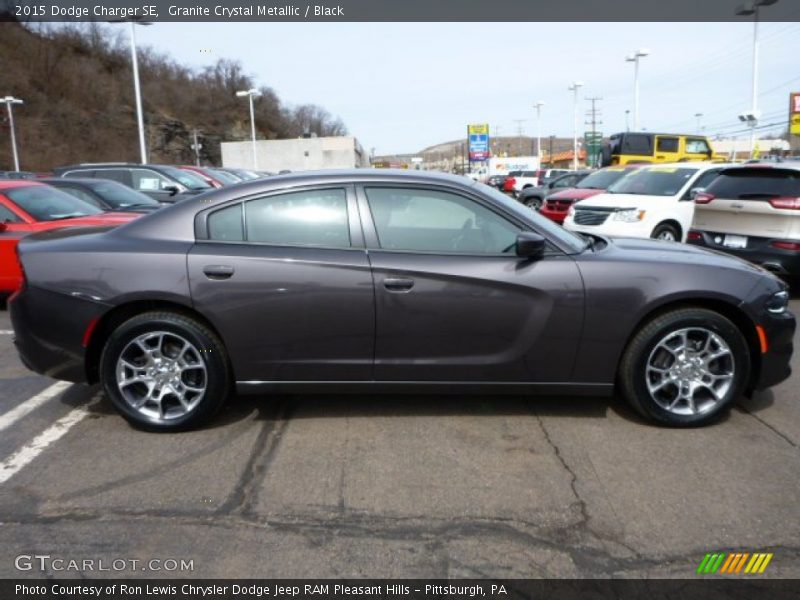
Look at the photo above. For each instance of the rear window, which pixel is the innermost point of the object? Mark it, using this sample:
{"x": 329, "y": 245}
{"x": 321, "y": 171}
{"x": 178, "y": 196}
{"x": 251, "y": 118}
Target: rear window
{"x": 758, "y": 183}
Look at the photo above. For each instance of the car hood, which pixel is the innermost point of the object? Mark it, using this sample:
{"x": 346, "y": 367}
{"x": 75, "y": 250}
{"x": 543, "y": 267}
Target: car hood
{"x": 574, "y": 194}
{"x": 657, "y": 251}
{"x": 624, "y": 200}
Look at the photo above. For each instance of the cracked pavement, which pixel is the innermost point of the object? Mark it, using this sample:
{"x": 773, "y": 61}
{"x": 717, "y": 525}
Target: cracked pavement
{"x": 404, "y": 486}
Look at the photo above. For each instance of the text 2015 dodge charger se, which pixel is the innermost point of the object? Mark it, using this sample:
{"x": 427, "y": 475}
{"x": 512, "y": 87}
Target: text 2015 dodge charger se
{"x": 387, "y": 280}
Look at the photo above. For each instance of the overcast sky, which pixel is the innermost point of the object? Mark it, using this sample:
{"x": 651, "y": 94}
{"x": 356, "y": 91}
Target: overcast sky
{"x": 400, "y": 87}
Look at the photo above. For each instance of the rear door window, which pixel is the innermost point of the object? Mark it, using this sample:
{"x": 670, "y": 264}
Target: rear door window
{"x": 668, "y": 144}
{"x": 756, "y": 184}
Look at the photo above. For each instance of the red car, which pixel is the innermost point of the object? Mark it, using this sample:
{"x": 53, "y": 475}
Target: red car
{"x": 27, "y": 207}
{"x": 556, "y": 205}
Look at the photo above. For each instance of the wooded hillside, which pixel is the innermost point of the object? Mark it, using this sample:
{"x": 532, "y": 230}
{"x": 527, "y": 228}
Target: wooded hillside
{"x": 77, "y": 85}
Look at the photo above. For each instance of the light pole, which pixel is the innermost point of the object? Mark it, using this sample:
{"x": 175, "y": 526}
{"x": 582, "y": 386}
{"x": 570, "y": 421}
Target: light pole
{"x": 698, "y": 116}
{"x": 634, "y": 58}
{"x": 252, "y": 93}
{"x": 750, "y": 7}
{"x": 538, "y": 106}
{"x": 627, "y": 120}
{"x": 574, "y": 87}
{"x": 9, "y": 100}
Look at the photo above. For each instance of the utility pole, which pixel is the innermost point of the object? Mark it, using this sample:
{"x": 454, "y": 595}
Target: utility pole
{"x": 591, "y": 143}
{"x": 550, "y": 164}
{"x": 496, "y": 139}
{"x": 519, "y": 123}
{"x": 196, "y": 147}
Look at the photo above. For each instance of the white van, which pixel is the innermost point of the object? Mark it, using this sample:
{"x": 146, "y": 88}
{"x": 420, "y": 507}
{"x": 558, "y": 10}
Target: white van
{"x": 651, "y": 202}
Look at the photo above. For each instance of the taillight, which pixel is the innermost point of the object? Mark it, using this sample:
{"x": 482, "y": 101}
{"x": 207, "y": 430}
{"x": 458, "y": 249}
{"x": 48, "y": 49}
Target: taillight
{"x": 511, "y": 181}
{"x": 703, "y": 198}
{"x": 694, "y": 235}
{"x": 786, "y": 203}
{"x": 21, "y": 268}
{"x": 791, "y": 246}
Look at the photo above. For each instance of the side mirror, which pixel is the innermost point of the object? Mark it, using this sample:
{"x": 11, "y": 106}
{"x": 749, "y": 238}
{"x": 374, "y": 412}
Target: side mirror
{"x": 3, "y": 226}
{"x": 530, "y": 245}
{"x": 172, "y": 189}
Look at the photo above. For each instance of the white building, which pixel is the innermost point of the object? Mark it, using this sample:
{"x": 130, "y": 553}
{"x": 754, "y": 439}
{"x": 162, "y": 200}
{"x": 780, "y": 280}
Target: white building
{"x": 300, "y": 154}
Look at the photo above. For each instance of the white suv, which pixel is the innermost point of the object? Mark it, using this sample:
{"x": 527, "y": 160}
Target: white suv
{"x": 651, "y": 202}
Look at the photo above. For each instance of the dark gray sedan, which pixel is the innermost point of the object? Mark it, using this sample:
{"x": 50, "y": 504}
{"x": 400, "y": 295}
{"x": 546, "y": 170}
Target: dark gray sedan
{"x": 390, "y": 281}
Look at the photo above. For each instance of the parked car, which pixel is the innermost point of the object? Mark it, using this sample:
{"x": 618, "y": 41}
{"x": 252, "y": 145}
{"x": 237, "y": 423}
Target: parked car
{"x": 214, "y": 177}
{"x": 371, "y": 280}
{"x": 17, "y": 175}
{"x": 753, "y": 212}
{"x": 642, "y": 148}
{"x": 496, "y": 181}
{"x": 557, "y": 204}
{"x": 650, "y": 202}
{"x": 510, "y": 181}
{"x": 533, "y": 197}
{"x": 105, "y": 194}
{"x": 27, "y": 207}
{"x": 161, "y": 182}
{"x": 243, "y": 174}
{"x": 547, "y": 175}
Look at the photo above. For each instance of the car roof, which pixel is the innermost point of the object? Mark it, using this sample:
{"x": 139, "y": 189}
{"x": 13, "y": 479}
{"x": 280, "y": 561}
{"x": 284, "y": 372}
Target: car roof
{"x": 694, "y": 165}
{"x": 781, "y": 166}
{"x": 6, "y": 184}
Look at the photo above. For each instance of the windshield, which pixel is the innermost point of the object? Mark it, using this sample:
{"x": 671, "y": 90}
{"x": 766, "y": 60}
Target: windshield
{"x": 223, "y": 176}
{"x": 600, "y": 180}
{"x": 45, "y": 203}
{"x": 546, "y": 226}
{"x": 654, "y": 181}
{"x": 187, "y": 179}
{"x": 117, "y": 195}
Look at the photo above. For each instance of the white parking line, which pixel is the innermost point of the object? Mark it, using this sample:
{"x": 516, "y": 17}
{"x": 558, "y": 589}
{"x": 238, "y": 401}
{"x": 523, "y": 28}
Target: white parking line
{"x": 22, "y": 457}
{"x": 6, "y": 332}
{"x": 15, "y": 414}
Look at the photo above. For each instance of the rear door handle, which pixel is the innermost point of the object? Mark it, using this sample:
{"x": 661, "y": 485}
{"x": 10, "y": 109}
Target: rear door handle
{"x": 398, "y": 284}
{"x": 218, "y": 271}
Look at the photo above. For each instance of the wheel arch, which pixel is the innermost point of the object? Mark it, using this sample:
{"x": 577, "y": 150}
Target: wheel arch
{"x": 121, "y": 313}
{"x": 673, "y": 222}
{"x": 727, "y": 309}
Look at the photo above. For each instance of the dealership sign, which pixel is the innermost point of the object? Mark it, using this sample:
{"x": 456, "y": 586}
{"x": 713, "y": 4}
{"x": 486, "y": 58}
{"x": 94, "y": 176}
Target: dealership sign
{"x": 478, "y": 136}
{"x": 794, "y": 113}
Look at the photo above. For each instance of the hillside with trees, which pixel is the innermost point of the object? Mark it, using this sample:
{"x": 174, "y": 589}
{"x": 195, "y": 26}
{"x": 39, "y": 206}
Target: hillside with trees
{"x": 77, "y": 85}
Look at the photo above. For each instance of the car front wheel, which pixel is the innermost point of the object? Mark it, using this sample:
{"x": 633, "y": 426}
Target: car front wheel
{"x": 685, "y": 367}
{"x": 165, "y": 371}
{"x": 534, "y": 202}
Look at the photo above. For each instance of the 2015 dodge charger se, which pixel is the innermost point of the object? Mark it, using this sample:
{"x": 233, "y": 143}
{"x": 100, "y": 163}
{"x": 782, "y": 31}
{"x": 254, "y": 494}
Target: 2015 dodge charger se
{"x": 382, "y": 280}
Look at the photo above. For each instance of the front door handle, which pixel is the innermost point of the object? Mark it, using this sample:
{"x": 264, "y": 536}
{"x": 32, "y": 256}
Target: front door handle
{"x": 398, "y": 284}
{"x": 218, "y": 271}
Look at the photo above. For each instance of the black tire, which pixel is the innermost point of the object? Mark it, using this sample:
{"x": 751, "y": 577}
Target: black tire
{"x": 533, "y": 202}
{"x": 211, "y": 353}
{"x": 666, "y": 229}
{"x": 632, "y": 370}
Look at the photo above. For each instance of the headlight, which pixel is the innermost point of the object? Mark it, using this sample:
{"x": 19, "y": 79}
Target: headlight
{"x": 629, "y": 215}
{"x": 778, "y": 302}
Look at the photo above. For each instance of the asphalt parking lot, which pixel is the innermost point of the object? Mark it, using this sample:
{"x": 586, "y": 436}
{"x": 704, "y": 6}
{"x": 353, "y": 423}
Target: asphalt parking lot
{"x": 397, "y": 486}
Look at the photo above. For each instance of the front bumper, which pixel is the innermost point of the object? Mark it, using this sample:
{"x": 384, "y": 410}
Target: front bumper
{"x": 785, "y": 263}
{"x": 775, "y": 362}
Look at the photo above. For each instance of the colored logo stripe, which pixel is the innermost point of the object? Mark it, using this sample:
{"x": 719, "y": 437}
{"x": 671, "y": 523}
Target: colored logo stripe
{"x": 734, "y": 562}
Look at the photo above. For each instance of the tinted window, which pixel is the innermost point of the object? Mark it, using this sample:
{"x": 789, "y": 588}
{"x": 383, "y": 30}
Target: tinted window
{"x": 122, "y": 176}
{"x": 119, "y": 196}
{"x": 706, "y": 178}
{"x": 6, "y": 216}
{"x": 423, "y": 220}
{"x": 667, "y": 144}
{"x": 600, "y": 180}
{"x": 226, "y": 224}
{"x": 756, "y": 183}
{"x": 81, "y": 195}
{"x": 697, "y": 146}
{"x": 310, "y": 218}
{"x": 654, "y": 181}
{"x": 45, "y": 203}
{"x": 637, "y": 143}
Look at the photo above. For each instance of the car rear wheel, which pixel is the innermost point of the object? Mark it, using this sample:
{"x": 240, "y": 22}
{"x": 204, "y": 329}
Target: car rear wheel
{"x": 666, "y": 232}
{"x": 685, "y": 367}
{"x": 165, "y": 371}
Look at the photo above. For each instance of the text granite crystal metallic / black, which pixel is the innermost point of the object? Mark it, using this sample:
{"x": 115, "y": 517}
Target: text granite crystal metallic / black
{"x": 387, "y": 281}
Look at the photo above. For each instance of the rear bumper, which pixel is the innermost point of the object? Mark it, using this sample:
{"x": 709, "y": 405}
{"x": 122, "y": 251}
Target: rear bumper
{"x": 785, "y": 263}
{"x": 48, "y": 343}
